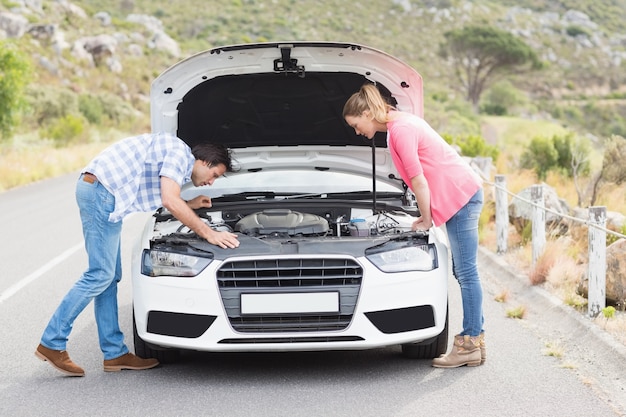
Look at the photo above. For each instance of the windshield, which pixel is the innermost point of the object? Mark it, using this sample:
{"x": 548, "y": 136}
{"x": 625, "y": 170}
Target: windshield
{"x": 296, "y": 182}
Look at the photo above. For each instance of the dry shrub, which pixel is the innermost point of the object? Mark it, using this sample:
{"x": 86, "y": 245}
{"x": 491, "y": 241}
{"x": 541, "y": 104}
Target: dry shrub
{"x": 502, "y": 297}
{"x": 561, "y": 254}
{"x": 554, "y": 349}
{"x": 539, "y": 273}
{"x": 565, "y": 275}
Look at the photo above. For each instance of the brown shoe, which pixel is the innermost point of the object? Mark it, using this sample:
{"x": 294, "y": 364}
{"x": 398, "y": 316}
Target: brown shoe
{"x": 129, "y": 361}
{"x": 465, "y": 351}
{"x": 60, "y": 360}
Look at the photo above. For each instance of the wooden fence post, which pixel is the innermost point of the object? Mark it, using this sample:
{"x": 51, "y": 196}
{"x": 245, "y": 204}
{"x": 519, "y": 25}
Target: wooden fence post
{"x": 502, "y": 214}
{"x": 538, "y": 222}
{"x": 597, "y": 261}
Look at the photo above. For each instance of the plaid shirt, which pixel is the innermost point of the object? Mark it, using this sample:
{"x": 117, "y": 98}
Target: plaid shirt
{"x": 131, "y": 169}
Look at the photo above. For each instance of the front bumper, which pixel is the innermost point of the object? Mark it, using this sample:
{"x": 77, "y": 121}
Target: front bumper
{"x": 376, "y": 309}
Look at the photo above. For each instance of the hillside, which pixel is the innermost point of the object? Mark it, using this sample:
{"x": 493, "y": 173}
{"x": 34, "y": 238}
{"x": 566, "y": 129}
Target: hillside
{"x": 115, "y": 48}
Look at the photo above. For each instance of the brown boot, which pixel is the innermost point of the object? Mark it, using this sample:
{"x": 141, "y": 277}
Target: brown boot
{"x": 483, "y": 348}
{"x": 129, "y": 361}
{"x": 465, "y": 351}
{"x": 60, "y": 360}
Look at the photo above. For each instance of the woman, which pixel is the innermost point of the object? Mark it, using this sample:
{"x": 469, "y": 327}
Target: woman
{"x": 448, "y": 191}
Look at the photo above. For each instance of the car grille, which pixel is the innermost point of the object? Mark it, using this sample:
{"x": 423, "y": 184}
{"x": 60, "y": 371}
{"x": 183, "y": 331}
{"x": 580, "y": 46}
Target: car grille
{"x": 287, "y": 276}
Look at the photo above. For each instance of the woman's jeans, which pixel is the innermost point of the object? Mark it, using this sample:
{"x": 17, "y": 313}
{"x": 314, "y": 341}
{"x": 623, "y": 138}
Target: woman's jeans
{"x": 462, "y": 231}
{"x": 99, "y": 281}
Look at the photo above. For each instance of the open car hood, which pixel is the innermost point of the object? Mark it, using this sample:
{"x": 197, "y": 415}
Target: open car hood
{"x": 279, "y": 105}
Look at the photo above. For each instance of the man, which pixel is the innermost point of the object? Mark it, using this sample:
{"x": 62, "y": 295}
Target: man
{"x": 139, "y": 173}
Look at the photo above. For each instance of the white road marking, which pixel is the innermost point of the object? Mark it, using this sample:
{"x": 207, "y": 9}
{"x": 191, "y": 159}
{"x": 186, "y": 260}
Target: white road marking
{"x": 12, "y": 290}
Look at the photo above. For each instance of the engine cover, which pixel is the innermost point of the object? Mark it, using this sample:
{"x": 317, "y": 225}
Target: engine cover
{"x": 282, "y": 222}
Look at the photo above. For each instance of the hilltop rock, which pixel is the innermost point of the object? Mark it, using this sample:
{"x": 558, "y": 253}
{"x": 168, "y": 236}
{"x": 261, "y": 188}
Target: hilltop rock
{"x": 159, "y": 40}
{"x": 12, "y": 25}
{"x": 97, "y": 49}
{"x": 615, "y": 275}
{"x": 520, "y": 212}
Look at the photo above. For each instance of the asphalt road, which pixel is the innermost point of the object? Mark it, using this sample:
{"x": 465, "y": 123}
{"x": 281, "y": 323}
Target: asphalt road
{"x": 41, "y": 255}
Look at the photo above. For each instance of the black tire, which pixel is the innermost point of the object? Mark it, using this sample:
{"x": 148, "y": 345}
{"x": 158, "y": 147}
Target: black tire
{"x": 145, "y": 350}
{"x": 429, "y": 349}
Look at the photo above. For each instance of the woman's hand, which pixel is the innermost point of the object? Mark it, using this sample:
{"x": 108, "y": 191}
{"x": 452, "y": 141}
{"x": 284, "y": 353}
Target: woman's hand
{"x": 422, "y": 223}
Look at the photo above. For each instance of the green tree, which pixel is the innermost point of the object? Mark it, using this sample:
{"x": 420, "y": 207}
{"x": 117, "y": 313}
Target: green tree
{"x": 540, "y": 156}
{"x": 500, "y": 98}
{"x": 481, "y": 54}
{"x": 15, "y": 72}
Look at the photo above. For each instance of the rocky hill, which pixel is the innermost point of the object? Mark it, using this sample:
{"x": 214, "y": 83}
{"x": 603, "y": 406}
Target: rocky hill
{"x": 118, "y": 47}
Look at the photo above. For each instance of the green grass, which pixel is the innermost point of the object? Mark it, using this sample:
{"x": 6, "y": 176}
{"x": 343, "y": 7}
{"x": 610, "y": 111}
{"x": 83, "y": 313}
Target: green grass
{"x": 518, "y": 312}
{"x": 515, "y": 132}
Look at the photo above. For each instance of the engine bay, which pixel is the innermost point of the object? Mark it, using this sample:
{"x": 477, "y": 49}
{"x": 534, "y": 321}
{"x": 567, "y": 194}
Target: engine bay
{"x": 276, "y": 222}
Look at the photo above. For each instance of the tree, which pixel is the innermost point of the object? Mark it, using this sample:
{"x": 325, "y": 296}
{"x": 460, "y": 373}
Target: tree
{"x": 580, "y": 151}
{"x": 15, "y": 73}
{"x": 613, "y": 167}
{"x": 540, "y": 156}
{"x": 482, "y": 54}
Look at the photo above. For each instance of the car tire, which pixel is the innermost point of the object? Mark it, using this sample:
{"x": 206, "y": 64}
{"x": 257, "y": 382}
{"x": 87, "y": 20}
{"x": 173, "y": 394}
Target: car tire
{"x": 429, "y": 349}
{"x": 145, "y": 350}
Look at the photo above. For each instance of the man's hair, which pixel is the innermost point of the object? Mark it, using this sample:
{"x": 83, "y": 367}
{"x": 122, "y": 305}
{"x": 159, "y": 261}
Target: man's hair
{"x": 214, "y": 154}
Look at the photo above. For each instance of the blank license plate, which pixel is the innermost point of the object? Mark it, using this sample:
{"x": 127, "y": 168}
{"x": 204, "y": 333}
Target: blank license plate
{"x": 321, "y": 302}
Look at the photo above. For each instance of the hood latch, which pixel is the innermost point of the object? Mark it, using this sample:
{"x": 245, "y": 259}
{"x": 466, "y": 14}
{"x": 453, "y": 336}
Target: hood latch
{"x": 286, "y": 64}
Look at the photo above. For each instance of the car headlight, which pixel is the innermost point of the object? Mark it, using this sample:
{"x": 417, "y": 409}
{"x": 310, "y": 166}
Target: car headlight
{"x": 411, "y": 258}
{"x": 156, "y": 262}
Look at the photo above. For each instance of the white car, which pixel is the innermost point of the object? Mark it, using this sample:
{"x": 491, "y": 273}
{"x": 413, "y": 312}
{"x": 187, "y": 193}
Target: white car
{"x": 327, "y": 259}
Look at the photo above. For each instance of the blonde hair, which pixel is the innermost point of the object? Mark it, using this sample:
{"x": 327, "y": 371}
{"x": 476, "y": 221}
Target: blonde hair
{"x": 367, "y": 98}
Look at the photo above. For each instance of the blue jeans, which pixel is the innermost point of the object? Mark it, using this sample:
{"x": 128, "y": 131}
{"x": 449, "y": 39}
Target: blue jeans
{"x": 462, "y": 231}
{"x": 99, "y": 281}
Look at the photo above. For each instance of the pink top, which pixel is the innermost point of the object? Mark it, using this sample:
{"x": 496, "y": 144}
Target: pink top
{"x": 416, "y": 148}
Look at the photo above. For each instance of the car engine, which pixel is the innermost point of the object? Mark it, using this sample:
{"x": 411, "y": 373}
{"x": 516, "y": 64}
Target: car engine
{"x": 283, "y": 223}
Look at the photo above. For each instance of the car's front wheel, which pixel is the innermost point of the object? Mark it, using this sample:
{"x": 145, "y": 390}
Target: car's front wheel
{"x": 144, "y": 350}
{"x": 430, "y": 349}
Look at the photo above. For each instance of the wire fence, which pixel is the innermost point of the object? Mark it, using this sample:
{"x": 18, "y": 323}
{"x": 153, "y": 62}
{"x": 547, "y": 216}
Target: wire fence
{"x": 597, "y": 232}
{"x": 548, "y": 210}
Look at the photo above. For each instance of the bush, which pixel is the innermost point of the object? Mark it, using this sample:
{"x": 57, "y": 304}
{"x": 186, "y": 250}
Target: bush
{"x": 472, "y": 145}
{"x": 575, "y": 31}
{"x": 15, "y": 72}
{"x": 116, "y": 111}
{"x": 500, "y": 98}
{"x": 65, "y": 130}
{"x": 91, "y": 107}
{"x": 540, "y": 156}
{"x": 48, "y": 103}
{"x": 455, "y": 117}
{"x": 544, "y": 154}
{"x": 493, "y": 109}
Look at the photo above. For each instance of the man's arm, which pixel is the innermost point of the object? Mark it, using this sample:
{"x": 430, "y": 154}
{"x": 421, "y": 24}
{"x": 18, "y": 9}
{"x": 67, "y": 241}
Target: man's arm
{"x": 170, "y": 197}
